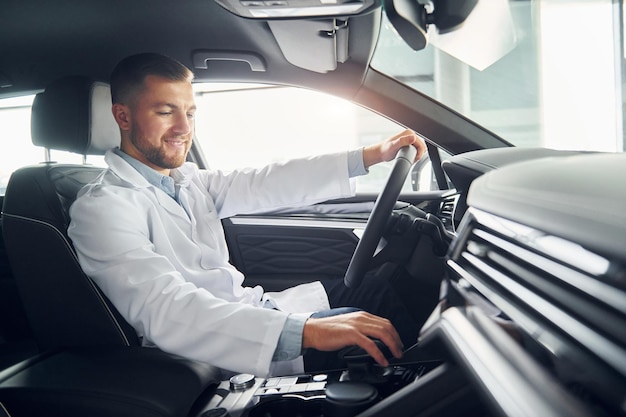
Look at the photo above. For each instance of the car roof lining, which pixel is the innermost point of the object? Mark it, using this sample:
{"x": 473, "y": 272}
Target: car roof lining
{"x": 109, "y": 32}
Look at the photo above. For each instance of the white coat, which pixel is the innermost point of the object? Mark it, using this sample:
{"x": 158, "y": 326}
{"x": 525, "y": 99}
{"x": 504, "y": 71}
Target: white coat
{"x": 165, "y": 265}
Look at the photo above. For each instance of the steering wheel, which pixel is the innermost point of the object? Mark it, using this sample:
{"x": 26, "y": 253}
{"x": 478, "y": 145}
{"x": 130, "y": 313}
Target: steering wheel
{"x": 359, "y": 264}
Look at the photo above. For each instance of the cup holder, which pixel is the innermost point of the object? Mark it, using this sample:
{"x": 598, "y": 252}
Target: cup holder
{"x": 343, "y": 399}
{"x": 288, "y": 407}
{"x": 347, "y": 399}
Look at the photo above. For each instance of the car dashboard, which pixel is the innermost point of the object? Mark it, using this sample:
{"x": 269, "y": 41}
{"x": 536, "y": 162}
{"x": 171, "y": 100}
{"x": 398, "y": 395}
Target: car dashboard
{"x": 533, "y": 305}
{"x": 541, "y": 254}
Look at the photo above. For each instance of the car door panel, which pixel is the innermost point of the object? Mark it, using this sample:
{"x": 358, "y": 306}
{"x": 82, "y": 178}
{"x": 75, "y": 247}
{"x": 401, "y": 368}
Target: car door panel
{"x": 285, "y": 250}
{"x": 279, "y": 250}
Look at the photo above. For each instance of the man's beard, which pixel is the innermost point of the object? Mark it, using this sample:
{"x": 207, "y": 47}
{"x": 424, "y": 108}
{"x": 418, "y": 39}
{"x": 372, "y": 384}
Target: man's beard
{"x": 154, "y": 154}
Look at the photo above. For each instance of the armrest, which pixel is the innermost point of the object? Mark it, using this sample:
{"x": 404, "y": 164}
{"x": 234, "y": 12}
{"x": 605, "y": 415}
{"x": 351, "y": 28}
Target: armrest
{"x": 106, "y": 381}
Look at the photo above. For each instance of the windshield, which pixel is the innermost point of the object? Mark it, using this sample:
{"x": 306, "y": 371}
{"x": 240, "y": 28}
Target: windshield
{"x": 543, "y": 73}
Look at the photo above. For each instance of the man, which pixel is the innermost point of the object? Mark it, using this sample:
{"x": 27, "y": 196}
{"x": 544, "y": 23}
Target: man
{"x": 148, "y": 232}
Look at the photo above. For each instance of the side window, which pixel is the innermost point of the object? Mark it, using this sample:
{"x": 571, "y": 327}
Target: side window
{"x": 17, "y": 149}
{"x": 238, "y": 126}
{"x": 253, "y": 125}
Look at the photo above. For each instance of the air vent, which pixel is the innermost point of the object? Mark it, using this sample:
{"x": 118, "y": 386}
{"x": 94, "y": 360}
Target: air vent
{"x": 446, "y": 211}
{"x": 565, "y": 297}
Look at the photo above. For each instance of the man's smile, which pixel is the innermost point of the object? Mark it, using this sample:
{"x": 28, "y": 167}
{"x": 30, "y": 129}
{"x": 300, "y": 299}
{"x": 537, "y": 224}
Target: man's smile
{"x": 176, "y": 142}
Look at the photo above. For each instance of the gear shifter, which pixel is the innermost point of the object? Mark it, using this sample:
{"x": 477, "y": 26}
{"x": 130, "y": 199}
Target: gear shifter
{"x": 362, "y": 367}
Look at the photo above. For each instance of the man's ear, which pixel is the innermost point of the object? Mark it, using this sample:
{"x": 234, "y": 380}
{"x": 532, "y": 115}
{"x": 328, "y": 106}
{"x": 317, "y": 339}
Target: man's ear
{"x": 121, "y": 113}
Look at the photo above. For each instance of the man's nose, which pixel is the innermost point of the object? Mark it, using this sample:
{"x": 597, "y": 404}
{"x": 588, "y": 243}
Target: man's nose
{"x": 183, "y": 125}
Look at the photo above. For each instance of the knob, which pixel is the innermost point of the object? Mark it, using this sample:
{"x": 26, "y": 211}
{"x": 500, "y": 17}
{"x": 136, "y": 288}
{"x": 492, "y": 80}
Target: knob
{"x": 241, "y": 382}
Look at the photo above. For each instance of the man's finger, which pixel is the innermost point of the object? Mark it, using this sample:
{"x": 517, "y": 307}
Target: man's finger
{"x": 372, "y": 349}
{"x": 382, "y": 329}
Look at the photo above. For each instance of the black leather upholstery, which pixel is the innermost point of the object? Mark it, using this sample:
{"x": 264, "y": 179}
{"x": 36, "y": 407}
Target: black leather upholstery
{"x": 63, "y": 305}
{"x": 107, "y": 382}
{"x": 91, "y": 362}
{"x": 74, "y": 114}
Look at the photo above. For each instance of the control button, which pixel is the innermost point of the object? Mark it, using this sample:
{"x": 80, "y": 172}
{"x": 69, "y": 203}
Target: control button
{"x": 288, "y": 381}
{"x": 241, "y": 382}
{"x": 320, "y": 377}
{"x": 271, "y": 391}
{"x": 297, "y": 388}
{"x": 272, "y": 382}
{"x": 316, "y": 386}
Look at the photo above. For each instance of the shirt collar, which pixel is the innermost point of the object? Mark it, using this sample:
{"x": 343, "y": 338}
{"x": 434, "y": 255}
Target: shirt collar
{"x": 163, "y": 182}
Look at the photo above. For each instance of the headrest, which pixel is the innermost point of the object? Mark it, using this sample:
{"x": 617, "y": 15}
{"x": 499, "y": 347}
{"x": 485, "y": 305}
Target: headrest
{"x": 74, "y": 114}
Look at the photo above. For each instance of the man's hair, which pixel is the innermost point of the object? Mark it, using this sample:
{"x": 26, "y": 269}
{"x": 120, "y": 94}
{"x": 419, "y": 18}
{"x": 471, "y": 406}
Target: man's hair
{"x": 127, "y": 79}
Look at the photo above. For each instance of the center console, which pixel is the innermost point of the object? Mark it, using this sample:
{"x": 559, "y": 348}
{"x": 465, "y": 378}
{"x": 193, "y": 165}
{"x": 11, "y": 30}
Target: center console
{"x": 132, "y": 381}
{"x": 338, "y": 393}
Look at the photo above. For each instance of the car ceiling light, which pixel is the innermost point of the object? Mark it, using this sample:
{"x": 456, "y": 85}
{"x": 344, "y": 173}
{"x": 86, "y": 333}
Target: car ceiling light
{"x": 294, "y": 9}
{"x": 327, "y": 9}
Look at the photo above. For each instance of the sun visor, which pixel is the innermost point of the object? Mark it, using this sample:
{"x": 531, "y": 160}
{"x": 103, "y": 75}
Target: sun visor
{"x": 315, "y": 45}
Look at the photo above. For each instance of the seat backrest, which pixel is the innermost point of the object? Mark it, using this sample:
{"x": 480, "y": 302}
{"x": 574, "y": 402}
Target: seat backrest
{"x": 64, "y": 307}
{"x": 13, "y": 324}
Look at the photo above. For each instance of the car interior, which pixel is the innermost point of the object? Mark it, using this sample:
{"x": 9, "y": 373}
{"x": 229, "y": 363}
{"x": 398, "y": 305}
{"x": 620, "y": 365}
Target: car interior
{"x": 513, "y": 261}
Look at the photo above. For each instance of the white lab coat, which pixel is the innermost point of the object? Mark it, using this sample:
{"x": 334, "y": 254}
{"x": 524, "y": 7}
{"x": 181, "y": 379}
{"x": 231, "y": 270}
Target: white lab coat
{"x": 165, "y": 266}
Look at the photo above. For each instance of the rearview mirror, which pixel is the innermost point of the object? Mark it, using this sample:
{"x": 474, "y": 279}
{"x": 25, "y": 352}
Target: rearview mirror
{"x": 411, "y": 18}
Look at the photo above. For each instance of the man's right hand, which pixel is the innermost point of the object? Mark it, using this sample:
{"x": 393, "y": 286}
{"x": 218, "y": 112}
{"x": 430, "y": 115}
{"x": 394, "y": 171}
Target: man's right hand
{"x": 357, "y": 328}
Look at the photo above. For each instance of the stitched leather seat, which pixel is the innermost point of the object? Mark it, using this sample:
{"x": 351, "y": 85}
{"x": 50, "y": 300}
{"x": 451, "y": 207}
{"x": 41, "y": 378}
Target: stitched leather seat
{"x": 91, "y": 362}
{"x": 63, "y": 306}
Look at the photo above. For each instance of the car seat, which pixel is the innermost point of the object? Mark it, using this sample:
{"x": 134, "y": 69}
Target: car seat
{"x": 64, "y": 307}
{"x": 91, "y": 362}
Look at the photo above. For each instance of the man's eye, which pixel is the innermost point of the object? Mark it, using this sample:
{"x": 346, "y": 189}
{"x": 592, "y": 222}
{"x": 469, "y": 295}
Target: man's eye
{"x": 191, "y": 116}
{"x": 164, "y": 113}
